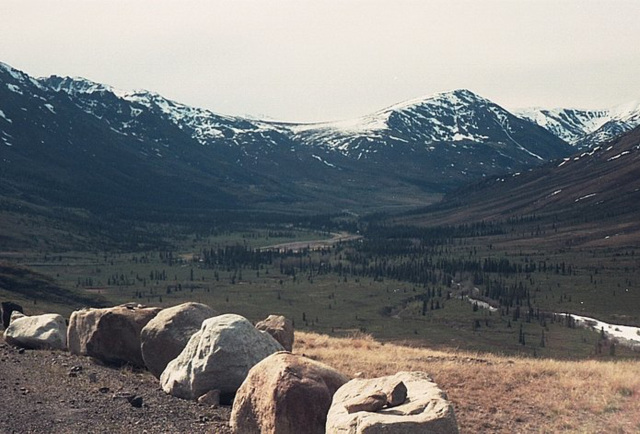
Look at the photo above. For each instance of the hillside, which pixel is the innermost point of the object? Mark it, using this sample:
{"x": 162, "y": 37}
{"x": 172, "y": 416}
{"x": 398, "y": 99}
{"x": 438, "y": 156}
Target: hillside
{"x": 30, "y": 288}
{"x": 598, "y": 189}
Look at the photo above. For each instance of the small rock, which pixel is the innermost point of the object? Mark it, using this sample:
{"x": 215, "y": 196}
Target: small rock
{"x": 372, "y": 402}
{"x": 211, "y": 398}
{"x": 136, "y": 401}
{"x": 123, "y": 395}
{"x": 397, "y": 395}
{"x": 21, "y": 351}
{"x": 103, "y": 390}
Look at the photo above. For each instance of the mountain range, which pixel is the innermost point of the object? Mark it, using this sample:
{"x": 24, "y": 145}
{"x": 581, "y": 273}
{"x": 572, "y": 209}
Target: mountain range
{"x": 71, "y": 142}
{"x": 585, "y": 129}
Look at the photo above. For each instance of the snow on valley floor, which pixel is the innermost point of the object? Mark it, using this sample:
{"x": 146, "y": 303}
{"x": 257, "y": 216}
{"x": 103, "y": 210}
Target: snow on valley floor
{"x": 626, "y": 335}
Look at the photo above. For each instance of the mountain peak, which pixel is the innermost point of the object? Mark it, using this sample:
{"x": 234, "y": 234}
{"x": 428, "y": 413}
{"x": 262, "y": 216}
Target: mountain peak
{"x": 18, "y": 75}
{"x": 456, "y": 97}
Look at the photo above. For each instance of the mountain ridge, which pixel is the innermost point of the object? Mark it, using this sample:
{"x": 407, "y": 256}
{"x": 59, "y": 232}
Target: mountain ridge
{"x": 585, "y": 128}
{"x": 73, "y": 142}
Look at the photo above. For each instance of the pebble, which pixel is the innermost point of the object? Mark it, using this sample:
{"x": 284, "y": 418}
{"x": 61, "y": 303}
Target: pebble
{"x": 136, "y": 401}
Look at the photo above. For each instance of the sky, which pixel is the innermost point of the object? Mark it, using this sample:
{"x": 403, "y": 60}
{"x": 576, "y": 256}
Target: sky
{"x": 322, "y": 60}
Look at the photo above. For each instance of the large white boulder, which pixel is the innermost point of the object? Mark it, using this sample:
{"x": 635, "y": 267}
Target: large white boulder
{"x": 218, "y": 356}
{"x": 111, "y": 335}
{"x": 280, "y": 328}
{"x": 38, "y": 331}
{"x": 425, "y": 409}
{"x": 166, "y": 335}
{"x": 285, "y": 394}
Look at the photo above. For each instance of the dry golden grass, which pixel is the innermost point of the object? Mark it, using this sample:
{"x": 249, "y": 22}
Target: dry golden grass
{"x": 494, "y": 394}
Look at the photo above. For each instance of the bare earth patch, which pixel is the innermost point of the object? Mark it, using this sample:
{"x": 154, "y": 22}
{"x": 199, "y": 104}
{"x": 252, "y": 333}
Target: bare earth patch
{"x": 45, "y": 391}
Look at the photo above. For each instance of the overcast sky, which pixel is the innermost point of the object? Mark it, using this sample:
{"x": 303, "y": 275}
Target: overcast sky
{"x": 316, "y": 60}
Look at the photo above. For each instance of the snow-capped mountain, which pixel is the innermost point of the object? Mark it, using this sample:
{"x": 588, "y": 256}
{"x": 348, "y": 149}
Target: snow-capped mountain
{"x": 456, "y": 119}
{"x": 78, "y": 142}
{"x": 585, "y": 128}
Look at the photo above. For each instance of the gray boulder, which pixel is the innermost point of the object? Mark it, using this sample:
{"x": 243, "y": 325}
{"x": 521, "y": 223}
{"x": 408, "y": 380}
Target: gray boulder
{"x": 425, "y": 409}
{"x": 280, "y": 328}
{"x": 166, "y": 335}
{"x": 37, "y": 332}
{"x": 285, "y": 394}
{"x": 111, "y": 335}
{"x": 218, "y": 356}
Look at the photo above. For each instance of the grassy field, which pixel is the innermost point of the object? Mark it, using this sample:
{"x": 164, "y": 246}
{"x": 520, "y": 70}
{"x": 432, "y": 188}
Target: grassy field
{"x": 499, "y": 394}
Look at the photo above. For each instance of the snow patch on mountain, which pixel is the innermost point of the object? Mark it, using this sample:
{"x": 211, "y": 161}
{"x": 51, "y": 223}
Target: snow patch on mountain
{"x": 3, "y": 116}
{"x": 203, "y": 125}
{"x": 585, "y": 128}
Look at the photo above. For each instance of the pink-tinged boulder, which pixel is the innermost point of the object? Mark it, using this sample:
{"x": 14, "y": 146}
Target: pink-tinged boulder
{"x": 285, "y": 394}
{"x": 111, "y": 335}
{"x": 166, "y": 335}
{"x": 37, "y": 332}
{"x": 280, "y": 328}
{"x": 425, "y": 409}
{"x": 218, "y": 356}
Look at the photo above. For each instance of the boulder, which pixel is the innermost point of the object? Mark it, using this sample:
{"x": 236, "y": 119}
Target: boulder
{"x": 38, "y": 331}
{"x": 7, "y": 308}
{"x": 218, "y": 356}
{"x": 166, "y": 335}
{"x": 285, "y": 394}
{"x": 280, "y": 328}
{"x": 425, "y": 410}
{"x": 111, "y": 335}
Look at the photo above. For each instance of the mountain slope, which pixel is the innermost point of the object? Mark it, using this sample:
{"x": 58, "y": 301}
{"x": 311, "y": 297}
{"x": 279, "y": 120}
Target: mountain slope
{"x": 600, "y": 187}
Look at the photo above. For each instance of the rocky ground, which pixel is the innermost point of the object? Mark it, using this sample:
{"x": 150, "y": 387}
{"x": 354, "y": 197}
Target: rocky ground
{"x": 44, "y": 391}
